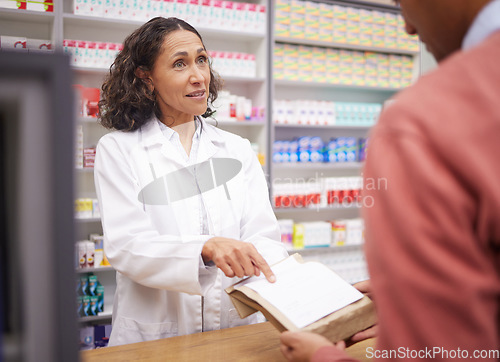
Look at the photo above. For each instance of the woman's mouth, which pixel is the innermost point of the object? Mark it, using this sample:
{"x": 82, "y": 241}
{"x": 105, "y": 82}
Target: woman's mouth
{"x": 197, "y": 94}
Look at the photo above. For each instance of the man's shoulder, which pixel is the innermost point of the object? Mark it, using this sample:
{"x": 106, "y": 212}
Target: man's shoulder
{"x": 462, "y": 81}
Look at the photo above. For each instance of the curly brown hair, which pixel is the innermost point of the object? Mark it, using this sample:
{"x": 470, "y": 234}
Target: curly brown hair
{"x": 126, "y": 102}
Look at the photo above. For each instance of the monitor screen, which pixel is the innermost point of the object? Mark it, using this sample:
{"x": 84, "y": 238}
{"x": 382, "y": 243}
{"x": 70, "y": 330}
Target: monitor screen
{"x": 37, "y": 300}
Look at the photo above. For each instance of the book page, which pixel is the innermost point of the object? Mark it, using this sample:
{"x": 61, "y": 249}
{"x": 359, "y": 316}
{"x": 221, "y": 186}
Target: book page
{"x": 304, "y": 293}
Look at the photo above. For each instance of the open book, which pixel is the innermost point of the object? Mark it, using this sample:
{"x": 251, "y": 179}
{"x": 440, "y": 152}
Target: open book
{"x": 306, "y": 296}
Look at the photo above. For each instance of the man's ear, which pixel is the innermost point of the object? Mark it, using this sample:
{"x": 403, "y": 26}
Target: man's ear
{"x": 145, "y": 76}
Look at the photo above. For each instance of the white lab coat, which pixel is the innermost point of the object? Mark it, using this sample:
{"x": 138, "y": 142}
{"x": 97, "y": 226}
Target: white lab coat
{"x": 160, "y": 274}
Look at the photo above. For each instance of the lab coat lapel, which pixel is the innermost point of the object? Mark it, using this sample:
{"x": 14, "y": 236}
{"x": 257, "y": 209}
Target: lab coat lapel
{"x": 153, "y": 136}
{"x": 207, "y": 149}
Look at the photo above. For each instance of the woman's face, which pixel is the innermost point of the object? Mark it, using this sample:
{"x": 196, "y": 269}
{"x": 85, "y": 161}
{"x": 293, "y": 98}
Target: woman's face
{"x": 181, "y": 77}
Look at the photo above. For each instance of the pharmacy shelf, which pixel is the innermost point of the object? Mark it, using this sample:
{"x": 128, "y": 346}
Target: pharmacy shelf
{"x": 85, "y": 170}
{"x": 333, "y": 248}
{"x": 234, "y": 79}
{"x": 324, "y": 126}
{"x": 317, "y": 166}
{"x": 225, "y": 78}
{"x": 295, "y": 83}
{"x": 241, "y": 124}
{"x": 87, "y": 120}
{"x": 27, "y": 16}
{"x": 129, "y": 25}
{"x": 88, "y": 219}
{"x": 344, "y": 46}
{"x": 96, "y": 269}
{"x": 106, "y": 315}
{"x": 278, "y": 211}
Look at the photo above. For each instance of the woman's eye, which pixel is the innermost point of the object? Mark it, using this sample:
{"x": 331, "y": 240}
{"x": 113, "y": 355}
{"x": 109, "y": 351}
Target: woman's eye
{"x": 178, "y": 64}
{"x": 202, "y": 60}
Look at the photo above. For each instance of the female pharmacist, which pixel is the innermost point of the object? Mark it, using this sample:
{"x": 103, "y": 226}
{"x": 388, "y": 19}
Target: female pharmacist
{"x": 184, "y": 205}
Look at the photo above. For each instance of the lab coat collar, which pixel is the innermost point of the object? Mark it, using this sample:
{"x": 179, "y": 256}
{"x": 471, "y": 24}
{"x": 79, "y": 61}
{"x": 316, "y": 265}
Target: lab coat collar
{"x": 210, "y": 140}
{"x": 151, "y": 133}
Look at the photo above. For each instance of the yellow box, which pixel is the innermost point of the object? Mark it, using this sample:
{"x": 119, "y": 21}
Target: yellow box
{"x": 371, "y": 81}
{"x": 298, "y": 236}
{"x": 305, "y": 52}
{"x": 339, "y": 25}
{"x": 283, "y": 5}
{"x": 312, "y": 8}
{"x": 358, "y": 79}
{"x": 370, "y": 70}
{"x": 352, "y": 27}
{"x": 345, "y": 78}
{"x": 346, "y": 56}
{"x": 390, "y": 42}
{"x": 391, "y": 19}
{"x": 311, "y": 33}
{"x": 326, "y": 24}
{"x": 352, "y": 38}
{"x": 282, "y": 30}
{"x": 395, "y": 60}
{"x": 282, "y": 17}
{"x": 365, "y": 16}
{"x": 326, "y": 10}
{"x": 378, "y": 17}
{"x": 290, "y": 74}
{"x": 339, "y": 12}
{"x": 297, "y": 32}
{"x": 311, "y": 21}
{"x": 325, "y": 35}
{"x": 332, "y": 55}
{"x": 365, "y": 40}
{"x": 378, "y": 41}
{"x": 382, "y": 82}
{"x": 297, "y": 19}
{"x": 407, "y": 62}
{"x": 297, "y": 6}
{"x": 353, "y": 14}
{"x": 339, "y": 37}
{"x": 278, "y": 74}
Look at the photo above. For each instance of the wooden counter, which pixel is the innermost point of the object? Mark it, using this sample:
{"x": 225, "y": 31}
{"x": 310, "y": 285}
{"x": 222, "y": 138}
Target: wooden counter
{"x": 258, "y": 342}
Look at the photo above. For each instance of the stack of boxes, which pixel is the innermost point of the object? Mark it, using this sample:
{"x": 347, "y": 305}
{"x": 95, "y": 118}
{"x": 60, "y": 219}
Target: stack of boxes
{"x": 313, "y": 150}
{"x": 342, "y": 24}
{"x": 91, "y": 54}
{"x": 32, "y": 5}
{"x": 334, "y": 233}
{"x": 234, "y": 64}
{"x": 319, "y": 193}
{"x": 311, "y": 112}
{"x": 24, "y": 44}
{"x": 341, "y": 66}
{"x": 87, "y": 208}
{"x": 212, "y": 14}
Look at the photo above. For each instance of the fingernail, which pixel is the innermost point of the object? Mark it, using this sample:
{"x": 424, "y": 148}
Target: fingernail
{"x": 272, "y": 278}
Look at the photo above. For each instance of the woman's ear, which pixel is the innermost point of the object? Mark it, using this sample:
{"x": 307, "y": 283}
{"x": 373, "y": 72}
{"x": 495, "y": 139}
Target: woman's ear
{"x": 145, "y": 76}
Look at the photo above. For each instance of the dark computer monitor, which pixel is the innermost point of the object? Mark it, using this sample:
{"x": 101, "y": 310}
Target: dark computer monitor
{"x": 37, "y": 300}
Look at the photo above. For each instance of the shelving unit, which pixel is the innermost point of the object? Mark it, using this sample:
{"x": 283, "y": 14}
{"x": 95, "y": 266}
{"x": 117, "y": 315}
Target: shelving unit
{"x": 335, "y": 257}
{"x": 106, "y": 276}
{"x": 280, "y": 39}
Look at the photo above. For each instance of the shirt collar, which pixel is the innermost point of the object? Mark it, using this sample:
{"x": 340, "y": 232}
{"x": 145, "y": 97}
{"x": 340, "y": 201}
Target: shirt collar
{"x": 169, "y": 133}
{"x": 485, "y": 23}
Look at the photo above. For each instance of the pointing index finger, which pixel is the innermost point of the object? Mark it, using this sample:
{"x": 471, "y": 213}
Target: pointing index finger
{"x": 264, "y": 268}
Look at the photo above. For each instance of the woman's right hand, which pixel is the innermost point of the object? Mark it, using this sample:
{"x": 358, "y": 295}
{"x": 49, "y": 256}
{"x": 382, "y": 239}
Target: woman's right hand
{"x": 236, "y": 258}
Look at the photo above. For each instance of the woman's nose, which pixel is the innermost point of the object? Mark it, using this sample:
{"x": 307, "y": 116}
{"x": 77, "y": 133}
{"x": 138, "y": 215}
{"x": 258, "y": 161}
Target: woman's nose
{"x": 197, "y": 75}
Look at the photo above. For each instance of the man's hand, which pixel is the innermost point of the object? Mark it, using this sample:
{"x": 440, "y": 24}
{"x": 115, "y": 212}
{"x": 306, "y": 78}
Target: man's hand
{"x": 300, "y": 346}
{"x": 365, "y": 288}
{"x": 236, "y": 258}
